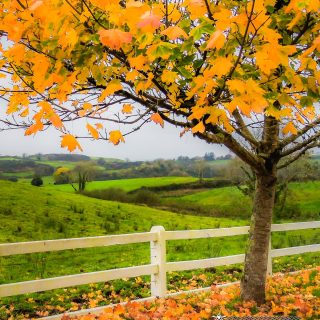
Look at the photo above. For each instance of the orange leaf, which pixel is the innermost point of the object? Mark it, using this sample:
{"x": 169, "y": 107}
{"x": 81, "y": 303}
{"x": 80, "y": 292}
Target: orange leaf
{"x": 198, "y": 128}
{"x": 114, "y": 38}
{"x": 149, "y": 21}
{"x": 174, "y": 32}
{"x": 25, "y": 112}
{"x": 85, "y": 108}
{"x": 289, "y": 128}
{"x": 156, "y": 118}
{"x": 216, "y": 40}
{"x": 112, "y": 87}
{"x": 138, "y": 62}
{"x": 184, "y": 131}
{"x": 70, "y": 142}
{"x": 38, "y": 126}
{"x": 99, "y": 125}
{"x": 93, "y": 131}
{"x": 116, "y": 137}
{"x": 55, "y": 120}
{"x": 127, "y": 108}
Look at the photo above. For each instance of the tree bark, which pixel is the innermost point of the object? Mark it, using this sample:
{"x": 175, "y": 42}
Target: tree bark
{"x": 255, "y": 269}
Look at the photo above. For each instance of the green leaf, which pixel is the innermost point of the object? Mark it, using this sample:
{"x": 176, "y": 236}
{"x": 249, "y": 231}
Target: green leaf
{"x": 203, "y": 28}
{"x": 306, "y": 101}
{"x": 185, "y": 73}
{"x": 163, "y": 50}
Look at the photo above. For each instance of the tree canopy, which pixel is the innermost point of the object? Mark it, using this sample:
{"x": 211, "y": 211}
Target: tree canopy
{"x": 206, "y": 66}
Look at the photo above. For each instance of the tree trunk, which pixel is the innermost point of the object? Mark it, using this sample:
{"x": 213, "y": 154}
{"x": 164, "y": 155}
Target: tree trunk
{"x": 253, "y": 282}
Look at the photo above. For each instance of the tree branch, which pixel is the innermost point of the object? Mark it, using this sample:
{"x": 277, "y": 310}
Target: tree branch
{"x": 299, "y": 134}
{"x": 299, "y": 154}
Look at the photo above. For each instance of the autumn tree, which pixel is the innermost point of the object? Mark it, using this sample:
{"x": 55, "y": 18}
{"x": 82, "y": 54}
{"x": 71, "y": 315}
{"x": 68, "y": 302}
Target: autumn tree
{"x": 78, "y": 177}
{"x": 62, "y": 175}
{"x": 82, "y": 173}
{"x": 239, "y": 73}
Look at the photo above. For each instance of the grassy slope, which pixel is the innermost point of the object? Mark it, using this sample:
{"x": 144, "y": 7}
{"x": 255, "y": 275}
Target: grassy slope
{"x": 32, "y": 213}
{"x": 305, "y": 196}
{"x": 24, "y": 205}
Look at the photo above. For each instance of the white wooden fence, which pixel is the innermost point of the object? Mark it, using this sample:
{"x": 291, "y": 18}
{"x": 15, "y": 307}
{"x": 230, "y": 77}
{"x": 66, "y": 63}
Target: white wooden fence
{"x": 158, "y": 266}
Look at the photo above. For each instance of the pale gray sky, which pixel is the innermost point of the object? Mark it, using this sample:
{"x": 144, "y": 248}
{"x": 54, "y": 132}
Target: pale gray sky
{"x": 151, "y": 142}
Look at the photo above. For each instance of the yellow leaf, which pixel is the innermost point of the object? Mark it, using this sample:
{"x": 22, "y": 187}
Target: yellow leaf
{"x": 127, "y": 108}
{"x": 25, "y": 112}
{"x": 132, "y": 75}
{"x": 116, "y": 137}
{"x": 197, "y": 8}
{"x": 112, "y": 87}
{"x": 197, "y": 113}
{"x": 93, "y": 131}
{"x": 270, "y": 35}
{"x": 295, "y": 20}
{"x": 174, "y": 32}
{"x": 216, "y": 40}
{"x": 221, "y": 66}
{"x": 198, "y": 128}
{"x": 85, "y": 108}
{"x": 70, "y": 142}
{"x": 299, "y": 118}
{"x": 156, "y": 118}
{"x": 138, "y": 62}
{"x": 169, "y": 76}
{"x": 289, "y": 128}
{"x": 222, "y": 16}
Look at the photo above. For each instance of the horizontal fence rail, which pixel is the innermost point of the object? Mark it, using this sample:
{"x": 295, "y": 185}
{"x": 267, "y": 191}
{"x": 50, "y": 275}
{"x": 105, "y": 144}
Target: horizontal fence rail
{"x": 9, "y": 249}
{"x": 157, "y": 269}
{"x": 75, "y": 280}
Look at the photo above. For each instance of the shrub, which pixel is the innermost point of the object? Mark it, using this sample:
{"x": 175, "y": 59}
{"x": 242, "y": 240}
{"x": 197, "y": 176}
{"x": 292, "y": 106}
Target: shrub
{"x": 12, "y": 179}
{"x": 37, "y": 181}
{"x": 112, "y": 194}
{"x": 146, "y": 197}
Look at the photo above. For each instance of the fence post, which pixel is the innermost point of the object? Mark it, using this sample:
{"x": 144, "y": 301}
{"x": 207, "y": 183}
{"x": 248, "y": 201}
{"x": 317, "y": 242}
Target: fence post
{"x": 158, "y": 256}
{"x": 269, "y": 266}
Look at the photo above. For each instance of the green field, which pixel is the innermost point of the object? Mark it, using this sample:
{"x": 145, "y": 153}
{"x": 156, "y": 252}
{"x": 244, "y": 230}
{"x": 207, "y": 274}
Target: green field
{"x": 33, "y": 213}
{"x": 22, "y": 174}
{"x": 303, "y": 197}
{"x": 128, "y": 184}
{"x": 56, "y": 164}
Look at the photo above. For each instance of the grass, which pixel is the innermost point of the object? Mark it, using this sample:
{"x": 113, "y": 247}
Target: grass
{"x": 58, "y": 163}
{"x": 22, "y": 174}
{"x": 306, "y": 196}
{"x": 227, "y": 200}
{"x": 34, "y": 213}
{"x": 303, "y": 198}
{"x": 129, "y": 184}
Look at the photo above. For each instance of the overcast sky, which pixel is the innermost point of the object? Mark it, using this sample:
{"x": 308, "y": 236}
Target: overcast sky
{"x": 151, "y": 142}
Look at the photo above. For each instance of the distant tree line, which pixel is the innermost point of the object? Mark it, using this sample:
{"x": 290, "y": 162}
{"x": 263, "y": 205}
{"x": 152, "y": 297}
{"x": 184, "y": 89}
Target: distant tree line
{"x": 15, "y": 166}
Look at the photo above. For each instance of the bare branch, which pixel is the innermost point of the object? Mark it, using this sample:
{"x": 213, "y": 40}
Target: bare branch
{"x": 299, "y": 154}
